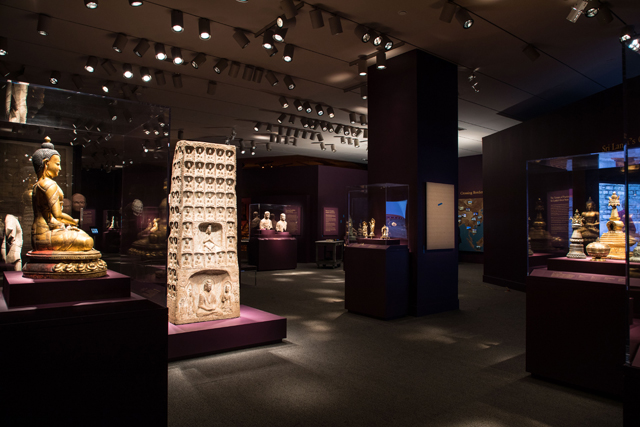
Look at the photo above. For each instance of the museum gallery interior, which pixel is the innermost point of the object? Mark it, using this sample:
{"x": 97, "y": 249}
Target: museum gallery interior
{"x": 272, "y": 212}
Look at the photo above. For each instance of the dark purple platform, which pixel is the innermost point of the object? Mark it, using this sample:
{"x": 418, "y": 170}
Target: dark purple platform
{"x": 377, "y": 241}
{"x": 92, "y": 362}
{"x": 612, "y": 267}
{"x": 253, "y": 327}
{"x": 377, "y": 280}
{"x": 273, "y": 253}
{"x": 23, "y": 291}
{"x": 540, "y": 259}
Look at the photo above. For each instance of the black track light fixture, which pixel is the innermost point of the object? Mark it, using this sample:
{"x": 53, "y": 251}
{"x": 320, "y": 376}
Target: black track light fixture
{"x": 247, "y": 74}
{"x": 220, "y": 65}
{"x": 282, "y": 118}
{"x": 141, "y": 48}
{"x": 298, "y": 105}
{"x": 160, "y": 80}
{"x": 198, "y": 60}
{"x": 234, "y": 69}
{"x": 120, "y": 42}
{"x": 211, "y": 87}
{"x": 4, "y": 46}
{"x": 592, "y": 9}
{"x": 267, "y": 39}
{"x": 307, "y": 107}
{"x": 257, "y": 75}
{"x": 269, "y": 128}
{"x": 339, "y": 129}
{"x": 330, "y": 112}
{"x": 44, "y": 22}
{"x": 161, "y": 53}
{"x": 241, "y": 38}
{"x": 381, "y": 60}
{"x": 135, "y": 3}
{"x": 257, "y": 127}
{"x": 91, "y": 64}
{"x": 204, "y": 28}
{"x": 272, "y": 51}
{"x": 127, "y": 71}
{"x": 387, "y": 43}
{"x": 363, "y": 119}
{"x": 288, "y": 8}
{"x": 177, "y": 80}
{"x": 283, "y": 22}
{"x": 448, "y": 12}
{"x": 364, "y": 92}
{"x": 292, "y": 119}
{"x": 363, "y": 33}
{"x": 108, "y": 67}
{"x": 305, "y": 122}
{"x": 324, "y": 126}
{"x": 91, "y": 4}
{"x": 55, "y": 77}
{"x": 289, "y": 82}
{"x": 106, "y": 87}
{"x": 316, "y": 19}
{"x": 362, "y": 65}
{"x": 283, "y": 102}
{"x": 177, "y": 21}
{"x": 145, "y": 74}
{"x": 320, "y": 137}
{"x": 335, "y": 25}
{"x": 319, "y": 110}
{"x": 626, "y": 33}
{"x": 352, "y": 118}
{"x": 464, "y": 18}
{"x": 279, "y": 34}
{"x": 287, "y": 56}
{"x": 176, "y": 52}
{"x": 376, "y": 38}
{"x": 271, "y": 78}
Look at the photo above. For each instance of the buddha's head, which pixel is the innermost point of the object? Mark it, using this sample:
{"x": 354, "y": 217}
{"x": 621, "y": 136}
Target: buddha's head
{"x": 46, "y": 159}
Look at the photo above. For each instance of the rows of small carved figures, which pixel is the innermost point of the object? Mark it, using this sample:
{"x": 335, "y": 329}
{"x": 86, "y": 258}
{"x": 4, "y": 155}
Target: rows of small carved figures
{"x": 202, "y": 184}
{"x": 205, "y": 153}
{"x": 198, "y": 260}
{"x": 201, "y": 213}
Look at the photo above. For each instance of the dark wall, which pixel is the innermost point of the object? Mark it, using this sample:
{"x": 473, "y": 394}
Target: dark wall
{"x": 470, "y": 185}
{"x": 594, "y": 124}
{"x": 332, "y": 192}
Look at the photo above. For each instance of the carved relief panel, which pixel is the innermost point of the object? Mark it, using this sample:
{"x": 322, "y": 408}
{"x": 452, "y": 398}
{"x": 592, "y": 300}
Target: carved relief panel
{"x": 202, "y": 273}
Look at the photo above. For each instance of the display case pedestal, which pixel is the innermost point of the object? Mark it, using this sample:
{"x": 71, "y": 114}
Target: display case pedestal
{"x": 90, "y": 363}
{"x": 610, "y": 267}
{"x": 273, "y": 253}
{"x": 377, "y": 280}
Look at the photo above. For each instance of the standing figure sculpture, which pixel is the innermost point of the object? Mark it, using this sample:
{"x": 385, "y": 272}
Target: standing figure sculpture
{"x": 364, "y": 229}
{"x": 385, "y": 232}
{"x": 372, "y": 225}
{"x": 265, "y": 223}
{"x": 60, "y": 248}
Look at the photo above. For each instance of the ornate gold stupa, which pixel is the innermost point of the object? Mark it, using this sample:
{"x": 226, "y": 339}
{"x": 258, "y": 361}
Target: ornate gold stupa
{"x": 615, "y": 236}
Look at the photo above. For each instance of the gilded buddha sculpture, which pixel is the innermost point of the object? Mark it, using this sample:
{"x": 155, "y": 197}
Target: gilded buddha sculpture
{"x": 59, "y": 248}
{"x": 372, "y": 226}
{"x": 151, "y": 241}
{"x": 615, "y": 237}
{"x": 590, "y": 229}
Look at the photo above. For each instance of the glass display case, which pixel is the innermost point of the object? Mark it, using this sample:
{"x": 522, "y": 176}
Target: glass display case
{"x": 266, "y": 216}
{"x": 583, "y": 284}
{"x": 114, "y": 165}
{"x": 378, "y": 212}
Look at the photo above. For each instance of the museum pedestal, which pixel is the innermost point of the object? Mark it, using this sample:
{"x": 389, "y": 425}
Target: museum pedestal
{"x": 610, "y": 267}
{"x": 254, "y": 327}
{"x": 22, "y": 291}
{"x": 273, "y": 253}
{"x": 89, "y": 363}
{"x": 377, "y": 280}
{"x": 576, "y": 328}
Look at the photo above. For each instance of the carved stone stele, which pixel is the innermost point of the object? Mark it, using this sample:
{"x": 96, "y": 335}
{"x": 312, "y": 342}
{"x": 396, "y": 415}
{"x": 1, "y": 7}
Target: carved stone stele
{"x": 202, "y": 263}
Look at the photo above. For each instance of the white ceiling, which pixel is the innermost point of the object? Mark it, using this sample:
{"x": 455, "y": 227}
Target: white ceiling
{"x": 576, "y": 59}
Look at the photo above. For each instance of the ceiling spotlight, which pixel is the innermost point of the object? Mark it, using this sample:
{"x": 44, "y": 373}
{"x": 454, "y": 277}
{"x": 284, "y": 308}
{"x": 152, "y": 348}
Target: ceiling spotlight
{"x": 127, "y": 71}
{"x": 211, "y": 87}
{"x": 324, "y": 126}
{"x": 283, "y": 102}
{"x": 305, "y": 122}
{"x": 357, "y": 131}
{"x": 279, "y": 34}
{"x": 282, "y": 117}
{"x": 363, "y": 119}
{"x": 135, "y": 3}
{"x": 381, "y": 60}
{"x": 294, "y": 141}
{"x": 365, "y": 134}
{"x": 364, "y": 92}
{"x": 271, "y": 78}
{"x": 592, "y": 9}
{"x": 322, "y": 146}
{"x": 283, "y": 22}
{"x": 220, "y": 65}
{"x": 352, "y": 118}
{"x": 307, "y": 107}
{"x": 343, "y": 140}
{"x": 161, "y": 54}
{"x": 349, "y": 141}
{"x": 242, "y": 149}
{"x": 289, "y": 82}
{"x": 376, "y": 38}
{"x": 257, "y": 126}
{"x": 160, "y": 80}
{"x": 177, "y": 23}
{"x": 267, "y": 39}
{"x": 269, "y": 146}
{"x": 280, "y": 130}
{"x": 304, "y": 134}
{"x": 316, "y": 19}
{"x": 271, "y": 51}
{"x": 120, "y": 42}
{"x": 4, "y": 46}
{"x": 363, "y": 33}
{"x": 292, "y": 119}
{"x": 339, "y": 128}
{"x": 289, "y": 8}
{"x": 314, "y": 124}
{"x": 531, "y": 52}
{"x": 356, "y": 143}
{"x": 362, "y": 65}
{"x": 298, "y": 105}
{"x": 176, "y": 52}
{"x": 55, "y": 77}
{"x": 464, "y": 18}
{"x": 77, "y": 81}
{"x": 330, "y": 112}
{"x": 141, "y": 48}
{"x": 272, "y": 138}
{"x": 177, "y": 80}
{"x": 296, "y": 133}
{"x": 577, "y": 10}
{"x": 312, "y": 136}
{"x": 43, "y": 25}
{"x": 91, "y": 4}
{"x": 387, "y": 43}
{"x": 234, "y": 69}
{"x": 257, "y": 75}
{"x": 91, "y": 64}
{"x": 253, "y": 151}
{"x": 333, "y": 148}
{"x": 240, "y": 37}
{"x": 289, "y": 132}
{"x": 204, "y": 27}
{"x": 108, "y": 67}
{"x": 473, "y": 81}
{"x": 269, "y": 128}
{"x": 335, "y": 24}
{"x": 448, "y": 11}
{"x": 319, "y": 110}
{"x": 634, "y": 43}
{"x": 247, "y": 74}
{"x": 626, "y": 33}
{"x": 288, "y": 53}
{"x": 128, "y": 93}
{"x": 146, "y": 75}
{"x": 198, "y": 60}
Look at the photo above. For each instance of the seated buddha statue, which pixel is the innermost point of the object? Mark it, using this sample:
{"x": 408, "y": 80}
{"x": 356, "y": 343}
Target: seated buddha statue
{"x": 52, "y": 229}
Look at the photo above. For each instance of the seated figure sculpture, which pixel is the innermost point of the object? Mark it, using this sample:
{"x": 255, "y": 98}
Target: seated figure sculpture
{"x": 60, "y": 248}
{"x": 282, "y": 224}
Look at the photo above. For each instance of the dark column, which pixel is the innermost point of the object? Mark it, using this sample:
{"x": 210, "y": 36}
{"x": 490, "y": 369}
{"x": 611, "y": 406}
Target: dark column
{"x": 413, "y": 139}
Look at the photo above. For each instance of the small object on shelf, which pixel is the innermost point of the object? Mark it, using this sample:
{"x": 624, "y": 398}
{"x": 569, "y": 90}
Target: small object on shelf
{"x": 364, "y": 229}
{"x": 615, "y": 236}
{"x": 372, "y": 225}
{"x": 576, "y": 250}
{"x": 385, "y": 232}
{"x": 265, "y": 223}
{"x": 598, "y": 250}
{"x": 590, "y": 229}
{"x": 282, "y": 224}
{"x": 540, "y": 237}
{"x": 635, "y": 255}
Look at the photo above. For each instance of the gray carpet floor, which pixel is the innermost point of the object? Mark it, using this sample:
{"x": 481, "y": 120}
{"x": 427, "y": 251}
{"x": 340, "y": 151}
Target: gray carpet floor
{"x": 461, "y": 368}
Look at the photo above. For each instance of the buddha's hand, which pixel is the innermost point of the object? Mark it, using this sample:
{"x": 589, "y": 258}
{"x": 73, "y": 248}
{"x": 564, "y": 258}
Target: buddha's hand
{"x": 73, "y": 228}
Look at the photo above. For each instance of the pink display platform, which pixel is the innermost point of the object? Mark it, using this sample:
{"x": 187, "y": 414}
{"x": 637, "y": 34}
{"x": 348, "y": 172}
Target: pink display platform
{"x": 23, "y": 291}
{"x": 253, "y": 327}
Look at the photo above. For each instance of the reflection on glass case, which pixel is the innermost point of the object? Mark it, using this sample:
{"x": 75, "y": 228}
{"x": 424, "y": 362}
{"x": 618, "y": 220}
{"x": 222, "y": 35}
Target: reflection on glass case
{"x": 378, "y": 212}
{"x": 113, "y": 170}
{"x": 279, "y": 218}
